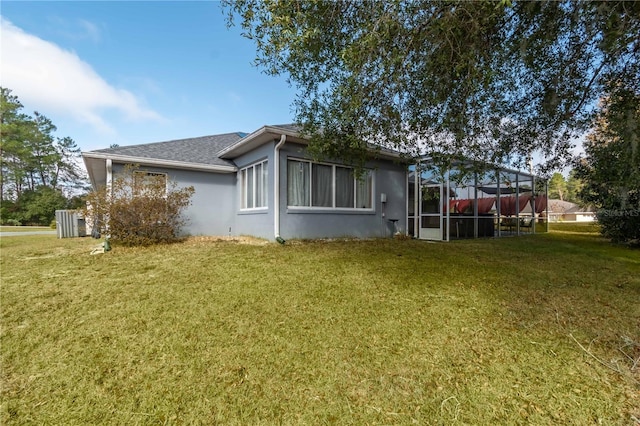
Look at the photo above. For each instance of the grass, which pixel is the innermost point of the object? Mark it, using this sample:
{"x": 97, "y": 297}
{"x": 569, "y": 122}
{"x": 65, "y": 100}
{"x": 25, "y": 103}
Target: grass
{"x": 576, "y": 227}
{"x": 25, "y": 228}
{"x": 343, "y": 332}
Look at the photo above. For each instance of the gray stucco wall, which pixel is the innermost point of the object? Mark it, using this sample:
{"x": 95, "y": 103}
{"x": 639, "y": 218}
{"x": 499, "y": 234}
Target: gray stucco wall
{"x": 213, "y": 204}
{"x": 389, "y": 178}
{"x": 215, "y": 208}
{"x": 257, "y": 223}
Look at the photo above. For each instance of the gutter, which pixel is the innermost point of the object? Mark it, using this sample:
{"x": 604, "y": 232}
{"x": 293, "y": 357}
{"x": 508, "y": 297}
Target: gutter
{"x": 276, "y": 188}
{"x": 245, "y": 144}
{"x": 263, "y": 135}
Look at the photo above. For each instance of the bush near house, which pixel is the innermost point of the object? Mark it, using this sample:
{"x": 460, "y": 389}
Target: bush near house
{"x": 139, "y": 208}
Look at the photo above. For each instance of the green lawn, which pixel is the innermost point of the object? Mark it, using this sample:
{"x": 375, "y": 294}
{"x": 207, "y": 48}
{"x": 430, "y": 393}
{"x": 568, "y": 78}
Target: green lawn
{"x": 25, "y": 228}
{"x": 578, "y": 227}
{"x": 543, "y": 329}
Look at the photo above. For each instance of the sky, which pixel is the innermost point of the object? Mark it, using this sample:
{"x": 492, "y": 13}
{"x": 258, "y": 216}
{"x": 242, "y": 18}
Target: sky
{"x": 127, "y": 73}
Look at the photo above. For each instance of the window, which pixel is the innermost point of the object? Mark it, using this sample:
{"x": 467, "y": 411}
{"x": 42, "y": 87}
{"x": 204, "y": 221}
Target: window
{"x": 143, "y": 182}
{"x": 327, "y": 186}
{"x": 254, "y": 181}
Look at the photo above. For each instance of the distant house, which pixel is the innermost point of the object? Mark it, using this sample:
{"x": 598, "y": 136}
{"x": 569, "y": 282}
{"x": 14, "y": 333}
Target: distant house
{"x": 265, "y": 184}
{"x": 566, "y": 211}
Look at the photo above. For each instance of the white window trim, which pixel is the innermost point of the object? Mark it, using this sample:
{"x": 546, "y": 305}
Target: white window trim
{"x": 333, "y": 207}
{"x": 152, "y": 173}
{"x": 256, "y": 181}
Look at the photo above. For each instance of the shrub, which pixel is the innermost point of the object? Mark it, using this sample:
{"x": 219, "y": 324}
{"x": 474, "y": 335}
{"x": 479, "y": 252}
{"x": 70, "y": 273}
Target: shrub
{"x": 611, "y": 166}
{"x": 38, "y": 206}
{"x": 139, "y": 208}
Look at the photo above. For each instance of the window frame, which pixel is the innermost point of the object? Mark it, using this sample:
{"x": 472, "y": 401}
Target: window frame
{"x": 142, "y": 174}
{"x": 259, "y": 186}
{"x": 334, "y": 197}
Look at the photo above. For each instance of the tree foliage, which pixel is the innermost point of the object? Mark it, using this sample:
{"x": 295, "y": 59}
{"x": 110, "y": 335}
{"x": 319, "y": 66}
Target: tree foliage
{"x": 565, "y": 189}
{"x": 31, "y": 154}
{"x": 557, "y": 186}
{"x": 139, "y": 210}
{"x": 36, "y": 168}
{"x": 574, "y": 188}
{"x": 493, "y": 81}
{"x": 38, "y": 206}
{"x": 611, "y": 166}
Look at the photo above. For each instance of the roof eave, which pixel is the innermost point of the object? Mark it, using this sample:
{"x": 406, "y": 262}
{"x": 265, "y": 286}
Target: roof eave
{"x": 183, "y": 165}
{"x": 257, "y": 138}
{"x": 269, "y": 133}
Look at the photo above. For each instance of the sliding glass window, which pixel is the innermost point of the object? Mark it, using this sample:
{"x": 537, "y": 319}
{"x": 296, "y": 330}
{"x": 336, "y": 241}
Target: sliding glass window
{"x": 327, "y": 186}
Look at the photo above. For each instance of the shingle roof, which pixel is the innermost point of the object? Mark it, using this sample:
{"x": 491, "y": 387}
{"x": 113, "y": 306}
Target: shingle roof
{"x": 558, "y": 206}
{"x": 288, "y": 127}
{"x": 200, "y": 150}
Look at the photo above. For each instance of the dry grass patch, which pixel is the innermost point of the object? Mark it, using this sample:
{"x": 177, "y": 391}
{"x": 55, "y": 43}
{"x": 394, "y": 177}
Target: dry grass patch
{"x": 205, "y": 240}
{"x": 355, "y": 332}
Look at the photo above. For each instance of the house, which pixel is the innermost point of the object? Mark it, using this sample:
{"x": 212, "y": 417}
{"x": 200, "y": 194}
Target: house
{"x": 565, "y": 211}
{"x": 265, "y": 184}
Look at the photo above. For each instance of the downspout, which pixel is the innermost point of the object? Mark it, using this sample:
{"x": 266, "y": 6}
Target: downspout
{"x": 276, "y": 189}
{"x": 109, "y": 177}
{"x": 109, "y": 187}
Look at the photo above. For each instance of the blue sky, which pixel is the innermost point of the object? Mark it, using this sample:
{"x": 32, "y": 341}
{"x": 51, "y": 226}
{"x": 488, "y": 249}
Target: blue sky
{"x": 136, "y": 72}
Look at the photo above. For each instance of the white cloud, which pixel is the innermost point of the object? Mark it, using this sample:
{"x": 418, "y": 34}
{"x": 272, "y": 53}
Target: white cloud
{"x": 47, "y": 77}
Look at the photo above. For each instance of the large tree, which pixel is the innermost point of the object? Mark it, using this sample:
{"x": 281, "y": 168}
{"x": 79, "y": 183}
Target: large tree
{"x": 610, "y": 168}
{"x": 558, "y": 186}
{"x": 32, "y": 156}
{"x": 574, "y": 187}
{"x": 36, "y": 167}
{"x": 565, "y": 189}
{"x": 14, "y": 129}
{"x": 495, "y": 81}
